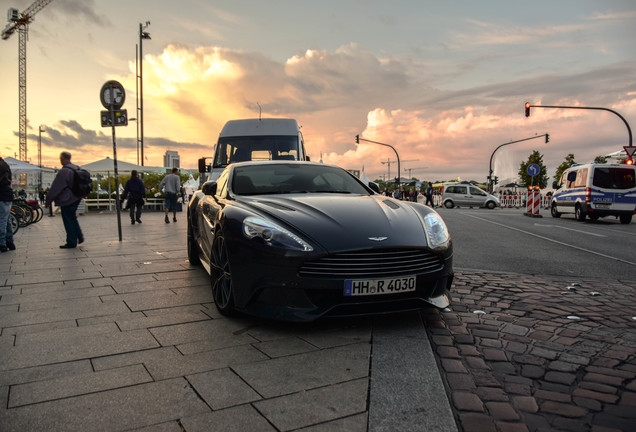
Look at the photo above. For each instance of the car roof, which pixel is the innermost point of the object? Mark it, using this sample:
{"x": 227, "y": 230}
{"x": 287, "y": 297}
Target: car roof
{"x": 258, "y": 127}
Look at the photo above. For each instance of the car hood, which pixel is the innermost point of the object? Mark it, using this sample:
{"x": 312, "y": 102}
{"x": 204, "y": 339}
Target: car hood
{"x": 344, "y": 222}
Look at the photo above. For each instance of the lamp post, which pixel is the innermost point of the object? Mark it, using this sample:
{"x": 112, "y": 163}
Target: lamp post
{"x": 41, "y": 129}
{"x": 358, "y": 139}
{"x": 140, "y": 91}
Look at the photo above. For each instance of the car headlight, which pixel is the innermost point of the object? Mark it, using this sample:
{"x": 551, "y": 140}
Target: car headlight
{"x": 436, "y": 231}
{"x": 273, "y": 235}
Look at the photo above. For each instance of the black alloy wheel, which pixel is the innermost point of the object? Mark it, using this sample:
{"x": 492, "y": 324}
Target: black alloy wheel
{"x": 554, "y": 212}
{"x": 221, "y": 277}
{"x": 578, "y": 213}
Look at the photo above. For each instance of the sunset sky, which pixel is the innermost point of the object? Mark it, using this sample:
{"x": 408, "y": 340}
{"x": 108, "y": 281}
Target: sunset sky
{"x": 444, "y": 82}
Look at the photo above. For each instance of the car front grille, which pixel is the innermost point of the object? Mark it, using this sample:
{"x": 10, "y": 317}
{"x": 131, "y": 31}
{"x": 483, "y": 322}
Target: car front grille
{"x": 375, "y": 263}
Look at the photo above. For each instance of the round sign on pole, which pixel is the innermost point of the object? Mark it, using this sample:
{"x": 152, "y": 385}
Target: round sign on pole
{"x": 533, "y": 170}
{"x": 112, "y": 95}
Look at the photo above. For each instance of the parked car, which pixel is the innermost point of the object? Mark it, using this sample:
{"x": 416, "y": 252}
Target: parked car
{"x": 596, "y": 190}
{"x": 300, "y": 240}
{"x": 467, "y": 195}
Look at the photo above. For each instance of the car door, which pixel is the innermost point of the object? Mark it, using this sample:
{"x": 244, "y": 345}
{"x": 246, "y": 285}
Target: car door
{"x": 462, "y": 198}
{"x": 208, "y": 214}
{"x": 477, "y": 197}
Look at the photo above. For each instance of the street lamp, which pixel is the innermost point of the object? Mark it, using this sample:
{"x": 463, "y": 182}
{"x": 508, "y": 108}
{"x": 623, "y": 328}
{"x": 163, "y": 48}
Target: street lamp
{"x": 140, "y": 91}
{"x": 358, "y": 139}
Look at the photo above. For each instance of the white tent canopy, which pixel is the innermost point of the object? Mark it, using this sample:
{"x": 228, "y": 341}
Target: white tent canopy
{"x": 107, "y": 166}
{"x": 21, "y": 167}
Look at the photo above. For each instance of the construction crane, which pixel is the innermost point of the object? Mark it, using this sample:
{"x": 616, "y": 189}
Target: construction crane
{"x": 388, "y": 162}
{"x": 19, "y": 21}
{"x": 414, "y": 169}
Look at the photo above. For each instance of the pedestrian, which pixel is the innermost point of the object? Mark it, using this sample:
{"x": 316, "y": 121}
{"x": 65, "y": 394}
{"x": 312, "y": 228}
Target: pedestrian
{"x": 172, "y": 185}
{"x": 6, "y": 197}
{"x": 135, "y": 187}
{"x": 429, "y": 194}
{"x": 61, "y": 193}
{"x": 50, "y": 206}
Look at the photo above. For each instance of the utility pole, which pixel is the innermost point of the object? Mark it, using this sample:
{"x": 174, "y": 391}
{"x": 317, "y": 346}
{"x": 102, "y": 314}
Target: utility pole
{"x": 140, "y": 95}
{"x": 20, "y": 22}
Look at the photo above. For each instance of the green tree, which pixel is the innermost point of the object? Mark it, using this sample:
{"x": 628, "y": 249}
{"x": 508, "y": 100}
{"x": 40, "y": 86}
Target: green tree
{"x": 600, "y": 159}
{"x": 541, "y": 179}
{"x": 567, "y": 163}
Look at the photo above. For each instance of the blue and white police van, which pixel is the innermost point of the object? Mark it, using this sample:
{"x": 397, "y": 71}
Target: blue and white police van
{"x": 596, "y": 190}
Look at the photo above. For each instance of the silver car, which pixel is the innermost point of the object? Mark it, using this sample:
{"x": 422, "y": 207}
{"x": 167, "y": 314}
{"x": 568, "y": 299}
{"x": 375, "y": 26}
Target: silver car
{"x": 466, "y": 195}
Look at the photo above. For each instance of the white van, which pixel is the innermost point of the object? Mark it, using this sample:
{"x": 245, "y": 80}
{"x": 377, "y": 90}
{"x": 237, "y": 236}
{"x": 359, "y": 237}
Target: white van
{"x": 596, "y": 190}
{"x": 467, "y": 195}
{"x": 255, "y": 139}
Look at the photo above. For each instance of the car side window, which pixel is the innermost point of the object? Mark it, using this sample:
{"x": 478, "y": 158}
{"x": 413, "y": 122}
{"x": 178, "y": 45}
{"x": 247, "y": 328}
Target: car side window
{"x": 477, "y": 191}
{"x": 221, "y": 189}
{"x": 581, "y": 178}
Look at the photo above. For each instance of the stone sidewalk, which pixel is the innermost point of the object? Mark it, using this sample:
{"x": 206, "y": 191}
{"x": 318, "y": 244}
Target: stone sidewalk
{"x": 119, "y": 336}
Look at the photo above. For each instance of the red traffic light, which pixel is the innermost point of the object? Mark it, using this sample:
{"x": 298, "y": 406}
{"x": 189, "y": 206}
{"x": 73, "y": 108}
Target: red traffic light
{"x": 629, "y": 161}
{"x": 527, "y": 109}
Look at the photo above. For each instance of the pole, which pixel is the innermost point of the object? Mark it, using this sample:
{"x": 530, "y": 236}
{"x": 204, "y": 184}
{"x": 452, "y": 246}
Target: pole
{"x": 117, "y": 202}
{"x": 629, "y": 130}
{"x": 396, "y": 155}
{"x": 498, "y": 147}
{"x": 141, "y": 95}
{"x": 40, "y": 160}
{"x": 137, "y": 95}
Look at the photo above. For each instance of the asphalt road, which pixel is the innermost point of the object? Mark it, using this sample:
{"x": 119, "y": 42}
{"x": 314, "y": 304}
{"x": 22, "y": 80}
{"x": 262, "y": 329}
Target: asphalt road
{"x": 506, "y": 240}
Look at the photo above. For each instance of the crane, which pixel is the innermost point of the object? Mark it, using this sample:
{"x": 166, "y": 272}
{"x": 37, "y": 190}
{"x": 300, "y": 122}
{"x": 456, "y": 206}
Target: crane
{"x": 414, "y": 169}
{"x": 20, "y": 22}
{"x": 388, "y": 162}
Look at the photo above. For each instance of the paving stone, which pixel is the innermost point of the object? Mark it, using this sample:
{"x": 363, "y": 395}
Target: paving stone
{"x": 511, "y": 427}
{"x": 502, "y": 411}
{"x": 603, "y": 397}
{"x": 553, "y": 396}
{"x": 315, "y": 406}
{"x": 75, "y": 385}
{"x": 458, "y": 381}
{"x": 477, "y": 422}
{"x": 465, "y": 401}
{"x": 222, "y": 389}
{"x": 525, "y": 403}
{"x": 451, "y": 365}
{"x": 560, "y": 377}
{"x": 494, "y": 355}
{"x": 561, "y": 409}
{"x": 603, "y": 379}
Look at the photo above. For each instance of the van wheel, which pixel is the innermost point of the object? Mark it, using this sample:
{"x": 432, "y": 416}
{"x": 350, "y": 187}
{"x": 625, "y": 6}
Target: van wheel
{"x": 578, "y": 213}
{"x": 490, "y": 205}
{"x": 626, "y": 219}
{"x": 554, "y": 212}
{"x": 449, "y": 204}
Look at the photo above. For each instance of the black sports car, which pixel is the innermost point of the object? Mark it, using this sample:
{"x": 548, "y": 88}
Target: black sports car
{"x": 299, "y": 240}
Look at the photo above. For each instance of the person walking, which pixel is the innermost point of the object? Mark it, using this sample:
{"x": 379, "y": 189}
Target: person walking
{"x": 6, "y": 198}
{"x": 135, "y": 187}
{"x": 61, "y": 193}
{"x": 172, "y": 185}
{"x": 429, "y": 194}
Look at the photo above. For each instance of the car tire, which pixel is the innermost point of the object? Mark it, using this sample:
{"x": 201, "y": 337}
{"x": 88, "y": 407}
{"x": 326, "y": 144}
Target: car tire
{"x": 578, "y": 213}
{"x": 221, "y": 277}
{"x": 193, "y": 249}
{"x": 490, "y": 205}
{"x": 449, "y": 204}
{"x": 554, "y": 212}
{"x": 626, "y": 219}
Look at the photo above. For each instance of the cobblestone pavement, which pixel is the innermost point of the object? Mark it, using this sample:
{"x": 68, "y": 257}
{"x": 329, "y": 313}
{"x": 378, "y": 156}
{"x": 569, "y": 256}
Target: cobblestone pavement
{"x": 524, "y": 353}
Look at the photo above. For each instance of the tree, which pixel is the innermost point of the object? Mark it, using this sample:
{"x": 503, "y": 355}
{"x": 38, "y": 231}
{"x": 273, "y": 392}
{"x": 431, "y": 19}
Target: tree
{"x": 600, "y": 159}
{"x": 567, "y": 163}
{"x": 526, "y": 180}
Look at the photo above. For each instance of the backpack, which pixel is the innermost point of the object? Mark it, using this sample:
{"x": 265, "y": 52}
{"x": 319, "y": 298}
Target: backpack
{"x": 82, "y": 183}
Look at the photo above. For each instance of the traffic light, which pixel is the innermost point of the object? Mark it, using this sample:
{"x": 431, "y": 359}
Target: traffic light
{"x": 547, "y": 138}
{"x": 496, "y": 180}
{"x": 527, "y": 109}
{"x": 629, "y": 161}
{"x": 357, "y": 139}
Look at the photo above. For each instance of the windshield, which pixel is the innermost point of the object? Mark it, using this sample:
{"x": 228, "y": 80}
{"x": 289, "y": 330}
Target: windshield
{"x": 614, "y": 178}
{"x": 294, "y": 178}
{"x": 247, "y": 148}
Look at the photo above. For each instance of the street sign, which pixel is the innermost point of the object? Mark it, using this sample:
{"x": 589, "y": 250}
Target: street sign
{"x": 112, "y": 95}
{"x": 533, "y": 169}
{"x": 120, "y": 116}
{"x": 630, "y": 151}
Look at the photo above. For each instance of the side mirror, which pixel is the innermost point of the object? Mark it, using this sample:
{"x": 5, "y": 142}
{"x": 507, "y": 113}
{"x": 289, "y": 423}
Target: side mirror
{"x": 307, "y": 158}
{"x": 555, "y": 185}
{"x": 203, "y": 167}
{"x": 374, "y": 187}
{"x": 209, "y": 188}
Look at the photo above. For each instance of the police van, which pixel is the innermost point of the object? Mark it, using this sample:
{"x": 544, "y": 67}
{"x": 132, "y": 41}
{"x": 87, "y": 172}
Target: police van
{"x": 255, "y": 139}
{"x": 596, "y": 190}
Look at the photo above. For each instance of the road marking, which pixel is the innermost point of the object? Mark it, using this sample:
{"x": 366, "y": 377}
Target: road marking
{"x": 569, "y": 229}
{"x": 552, "y": 240}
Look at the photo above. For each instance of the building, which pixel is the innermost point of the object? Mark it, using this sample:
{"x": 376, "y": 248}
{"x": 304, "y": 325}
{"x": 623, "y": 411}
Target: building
{"x": 171, "y": 159}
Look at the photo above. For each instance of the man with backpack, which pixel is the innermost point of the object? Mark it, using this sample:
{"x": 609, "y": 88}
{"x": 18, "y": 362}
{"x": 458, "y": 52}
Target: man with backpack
{"x": 61, "y": 192}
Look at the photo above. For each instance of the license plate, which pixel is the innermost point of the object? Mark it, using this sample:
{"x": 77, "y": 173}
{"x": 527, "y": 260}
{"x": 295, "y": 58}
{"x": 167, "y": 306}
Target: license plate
{"x": 602, "y": 206}
{"x": 363, "y": 287}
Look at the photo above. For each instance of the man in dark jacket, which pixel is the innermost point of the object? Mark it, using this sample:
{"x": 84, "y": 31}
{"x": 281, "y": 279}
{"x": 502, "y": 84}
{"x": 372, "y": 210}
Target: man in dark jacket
{"x": 137, "y": 191}
{"x": 6, "y": 197}
{"x": 63, "y": 196}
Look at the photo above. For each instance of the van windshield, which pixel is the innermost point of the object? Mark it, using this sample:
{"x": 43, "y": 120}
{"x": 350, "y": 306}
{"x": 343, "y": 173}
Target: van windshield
{"x": 247, "y": 148}
{"x": 614, "y": 178}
